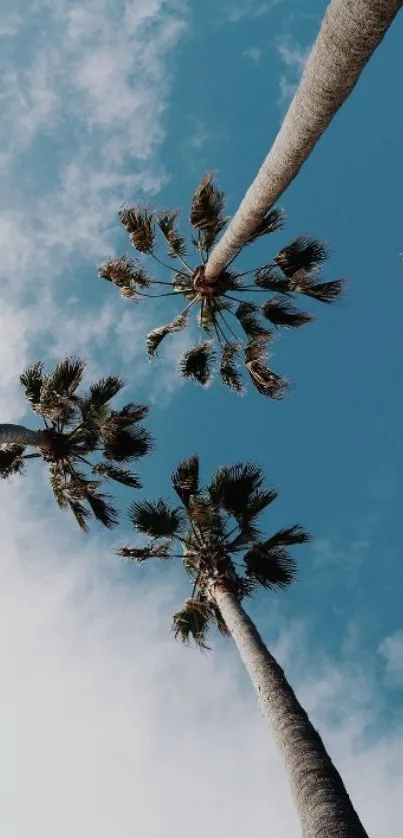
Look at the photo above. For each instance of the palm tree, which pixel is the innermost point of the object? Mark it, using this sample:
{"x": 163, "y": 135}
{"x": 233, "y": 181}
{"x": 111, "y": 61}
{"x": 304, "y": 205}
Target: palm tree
{"x": 76, "y": 428}
{"x": 232, "y": 321}
{"x": 351, "y": 31}
{"x": 215, "y": 534}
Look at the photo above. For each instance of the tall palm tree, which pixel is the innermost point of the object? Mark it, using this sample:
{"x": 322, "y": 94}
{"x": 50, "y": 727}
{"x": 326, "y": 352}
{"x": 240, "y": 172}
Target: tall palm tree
{"x": 350, "y": 33}
{"x": 83, "y": 441}
{"x": 232, "y": 320}
{"x": 215, "y": 534}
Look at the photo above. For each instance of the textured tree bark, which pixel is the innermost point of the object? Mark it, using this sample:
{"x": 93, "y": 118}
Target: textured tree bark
{"x": 350, "y": 33}
{"x": 19, "y": 435}
{"x": 324, "y": 807}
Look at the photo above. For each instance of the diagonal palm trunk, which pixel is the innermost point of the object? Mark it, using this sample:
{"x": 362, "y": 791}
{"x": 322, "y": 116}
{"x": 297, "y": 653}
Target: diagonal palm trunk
{"x": 350, "y": 33}
{"x": 19, "y": 435}
{"x": 324, "y": 807}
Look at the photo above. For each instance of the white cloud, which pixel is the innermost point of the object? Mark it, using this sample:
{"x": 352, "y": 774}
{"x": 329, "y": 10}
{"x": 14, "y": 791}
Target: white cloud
{"x": 391, "y": 650}
{"x": 83, "y": 121}
{"x": 254, "y": 54}
{"x": 10, "y": 23}
{"x": 108, "y": 725}
{"x": 293, "y": 56}
{"x": 250, "y": 8}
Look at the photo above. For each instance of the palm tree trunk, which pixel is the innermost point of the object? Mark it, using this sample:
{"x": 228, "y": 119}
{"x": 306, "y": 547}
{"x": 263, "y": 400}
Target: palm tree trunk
{"x": 322, "y": 802}
{"x": 351, "y": 31}
{"x": 19, "y": 435}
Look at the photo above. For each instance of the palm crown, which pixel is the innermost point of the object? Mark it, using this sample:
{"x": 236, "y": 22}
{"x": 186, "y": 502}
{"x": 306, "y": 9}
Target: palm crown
{"x": 219, "y": 540}
{"x": 228, "y": 314}
{"x": 84, "y": 441}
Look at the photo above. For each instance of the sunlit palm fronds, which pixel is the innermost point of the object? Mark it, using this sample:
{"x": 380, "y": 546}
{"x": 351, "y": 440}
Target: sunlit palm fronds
{"x": 127, "y": 275}
{"x": 84, "y": 442}
{"x": 230, "y": 311}
{"x": 217, "y": 536}
{"x": 11, "y": 461}
{"x": 139, "y": 223}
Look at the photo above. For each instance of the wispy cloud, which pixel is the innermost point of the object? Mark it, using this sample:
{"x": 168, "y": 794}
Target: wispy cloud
{"x": 391, "y": 650}
{"x": 249, "y": 8}
{"x": 10, "y": 23}
{"x": 293, "y": 57}
{"x": 98, "y": 699}
{"x": 83, "y": 120}
{"x": 254, "y": 54}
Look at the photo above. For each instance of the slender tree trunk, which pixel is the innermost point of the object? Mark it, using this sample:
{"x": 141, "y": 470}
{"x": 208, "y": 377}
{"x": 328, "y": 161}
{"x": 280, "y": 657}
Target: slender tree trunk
{"x": 350, "y": 33}
{"x": 19, "y": 435}
{"x": 322, "y": 802}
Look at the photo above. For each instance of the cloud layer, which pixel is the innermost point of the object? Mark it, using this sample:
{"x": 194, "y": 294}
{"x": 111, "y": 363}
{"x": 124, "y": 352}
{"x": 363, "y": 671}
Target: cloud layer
{"x": 83, "y": 92}
{"x": 108, "y": 725}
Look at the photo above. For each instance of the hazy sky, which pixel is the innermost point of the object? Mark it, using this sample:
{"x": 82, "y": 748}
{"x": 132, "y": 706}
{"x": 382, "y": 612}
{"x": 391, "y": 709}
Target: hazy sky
{"x": 108, "y": 725}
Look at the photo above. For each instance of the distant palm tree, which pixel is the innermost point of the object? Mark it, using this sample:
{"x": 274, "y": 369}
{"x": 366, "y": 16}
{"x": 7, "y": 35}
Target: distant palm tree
{"x": 231, "y": 321}
{"x": 76, "y": 428}
{"x": 350, "y": 32}
{"x": 215, "y": 534}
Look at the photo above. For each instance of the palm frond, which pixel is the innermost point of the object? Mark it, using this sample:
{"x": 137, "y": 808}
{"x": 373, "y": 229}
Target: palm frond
{"x": 183, "y": 284}
{"x": 185, "y": 479}
{"x": 139, "y": 223}
{"x": 65, "y": 378}
{"x": 124, "y": 444}
{"x": 271, "y": 278}
{"x": 248, "y": 316}
{"x": 167, "y": 224}
{"x": 246, "y": 536}
{"x": 102, "y": 508}
{"x": 192, "y": 621}
{"x": 155, "y": 337}
{"x": 206, "y": 213}
{"x": 270, "y": 568}
{"x": 267, "y": 382}
{"x": 325, "y": 292}
{"x": 256, "y": 350}
{"x": 209, "y": 312}
{"x": 126, "y": 274}
{"x": 258, "y": 501}
{"x": 141, "y": 554}
{"x": 123, "y": 440}
{"x": 94, "y": 406}
{"x": 58, "y": 390}
{"x": 302, "y": 254}
{"x": 270, "y": 223}
{"x": 229, "y": 372}
{"x": 11, "y": 461}
{"x": 202, "y": 513}
{"x": 156, "y": 519}
{"x": 233, "y": 487}
{"x": 129, "y": 414}
{"x": 196, "y": 363}
{"x": 120, "y": 475}
{"x": 288, "y": 536}
{"x": 32, "y": 382}
{"x": 80, "y": 513}
{"x": 281, "y": 313}
{"x": 66, "y": 498}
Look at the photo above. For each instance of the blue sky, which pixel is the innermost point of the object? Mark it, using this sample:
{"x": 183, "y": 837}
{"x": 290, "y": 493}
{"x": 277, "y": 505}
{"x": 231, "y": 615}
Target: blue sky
{"x": 104, "y": 103}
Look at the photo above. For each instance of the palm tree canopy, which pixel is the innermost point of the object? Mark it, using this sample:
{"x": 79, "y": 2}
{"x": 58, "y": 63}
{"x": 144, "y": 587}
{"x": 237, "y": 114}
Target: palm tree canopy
{"x": 83, "y": 440}
{"x": 351, "y": 31}
{"x": 238, "y": 327}
{"x": 215, "y": 532}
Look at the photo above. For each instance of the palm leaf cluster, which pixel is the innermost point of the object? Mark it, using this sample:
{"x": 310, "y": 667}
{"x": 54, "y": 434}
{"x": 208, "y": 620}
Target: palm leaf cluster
{"x": 84, "y": 441}
{"x": 215, "y": 532}
{"x": 238, "y": 328}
